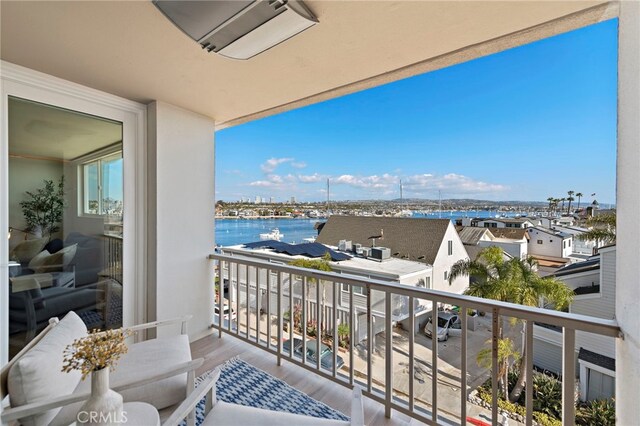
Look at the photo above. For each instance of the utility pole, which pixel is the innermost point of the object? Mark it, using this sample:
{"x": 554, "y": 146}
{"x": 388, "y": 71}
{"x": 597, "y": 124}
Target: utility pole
{"x": 327, "y": 196}
{"x": 401, "y": 202}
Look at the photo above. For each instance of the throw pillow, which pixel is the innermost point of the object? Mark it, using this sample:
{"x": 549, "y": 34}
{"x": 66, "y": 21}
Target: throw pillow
{"x": 38, "y": 259}
{"x": 57, "y": 261}
{"x": 26, "y": 250}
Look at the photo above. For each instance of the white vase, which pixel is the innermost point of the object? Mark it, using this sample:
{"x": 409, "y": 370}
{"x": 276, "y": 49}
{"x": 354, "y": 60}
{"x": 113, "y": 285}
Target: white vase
{"x": 104, "y": 407}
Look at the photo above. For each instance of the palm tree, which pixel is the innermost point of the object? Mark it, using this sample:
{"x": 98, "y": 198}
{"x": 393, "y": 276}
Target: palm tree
{"x": 603, "y": 229}
{"x": 550, "y": 200}
{"x": 570, "y": 199}
{"x": 579, "y": 195}
{"x": 489, "y": 278}
{"x": 529, "y": 290}
{"x": 563, "y": 199}
{"x": 515, "y": 281}
{"x": 556, "y": 201}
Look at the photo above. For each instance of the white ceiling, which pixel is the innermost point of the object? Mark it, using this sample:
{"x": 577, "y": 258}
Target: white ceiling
{"x": 43, "y": 131}
{"x": 130, "y": 49}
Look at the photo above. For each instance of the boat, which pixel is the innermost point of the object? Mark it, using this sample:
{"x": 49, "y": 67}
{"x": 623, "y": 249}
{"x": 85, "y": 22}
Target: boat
{"x": 273, "y": 235}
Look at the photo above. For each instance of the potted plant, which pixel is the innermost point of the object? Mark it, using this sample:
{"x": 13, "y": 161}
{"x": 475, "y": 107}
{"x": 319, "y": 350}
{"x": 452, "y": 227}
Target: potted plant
{"x": 43, "y": 208}
{"x": 96, "y": 354}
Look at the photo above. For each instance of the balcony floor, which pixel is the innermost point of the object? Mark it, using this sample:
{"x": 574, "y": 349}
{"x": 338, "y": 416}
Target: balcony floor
{"x": 332, "y": 394}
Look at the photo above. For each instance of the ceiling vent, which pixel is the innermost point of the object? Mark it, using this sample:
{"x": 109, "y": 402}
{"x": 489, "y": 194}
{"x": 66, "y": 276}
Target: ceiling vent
{"x": 238, "y": 29}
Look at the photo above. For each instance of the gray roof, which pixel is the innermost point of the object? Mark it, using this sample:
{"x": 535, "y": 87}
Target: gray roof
{"x": 553, "y": 232}
{"x": 597, "y": 359}
{"x": 578, "y": 267}
{"x": 417, "y": 238}
{"x": 473, "y": 250}
{"x": 471, "y": 234}
{"x": 509, "y": 233}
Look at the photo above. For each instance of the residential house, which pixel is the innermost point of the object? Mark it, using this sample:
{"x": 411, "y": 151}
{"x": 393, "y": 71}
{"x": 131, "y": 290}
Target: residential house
{"x": 126, "y": 63}
{"x": 594, "y": 284}
{"x": 431, "y": 241}
{"x": 513, "y": 241}
{"x": 549, "y": 243}
{"x": 344, "y": 262}
{"x": 579, "y": 246}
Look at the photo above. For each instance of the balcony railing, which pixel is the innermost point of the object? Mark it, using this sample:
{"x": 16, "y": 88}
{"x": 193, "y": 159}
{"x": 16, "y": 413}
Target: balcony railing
{"x": 259, "y": 298}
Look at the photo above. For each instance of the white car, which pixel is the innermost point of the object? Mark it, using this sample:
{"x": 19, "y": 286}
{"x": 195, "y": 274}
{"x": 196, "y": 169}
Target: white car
{"x": 448, "y": 325}
{"x": 227, "y": 312}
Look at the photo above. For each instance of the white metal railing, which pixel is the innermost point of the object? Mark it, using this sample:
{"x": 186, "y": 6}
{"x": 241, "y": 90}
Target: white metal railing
{"x": 249, "y": 279}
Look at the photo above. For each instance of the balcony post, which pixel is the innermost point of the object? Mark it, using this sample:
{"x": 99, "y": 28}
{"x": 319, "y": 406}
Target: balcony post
{"x": 628, "y": 200}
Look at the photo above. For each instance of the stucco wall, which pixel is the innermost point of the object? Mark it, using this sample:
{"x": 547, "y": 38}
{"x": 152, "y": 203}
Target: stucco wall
{"x": 181, "y": 211}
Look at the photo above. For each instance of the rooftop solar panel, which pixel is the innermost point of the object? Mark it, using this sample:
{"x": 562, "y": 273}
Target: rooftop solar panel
{"x": 314, "y": 250}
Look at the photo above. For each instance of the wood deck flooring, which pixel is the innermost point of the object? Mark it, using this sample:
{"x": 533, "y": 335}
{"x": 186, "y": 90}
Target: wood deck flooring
{"x": 334, "y": 395}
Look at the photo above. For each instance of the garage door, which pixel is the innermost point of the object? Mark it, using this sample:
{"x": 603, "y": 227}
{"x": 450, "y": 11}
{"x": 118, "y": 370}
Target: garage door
{"x": 601, "y": 386}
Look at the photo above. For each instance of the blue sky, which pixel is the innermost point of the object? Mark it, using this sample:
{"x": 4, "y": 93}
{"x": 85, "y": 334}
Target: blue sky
{"x": 523, "y": 124}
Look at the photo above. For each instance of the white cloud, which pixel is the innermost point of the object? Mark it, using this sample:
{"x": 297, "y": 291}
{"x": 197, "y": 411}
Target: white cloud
{"x": 451, "y": 183}
{"x": 316, "y": 177}
{"x": 272, "y": 163}
{"x": 418, "y": 185}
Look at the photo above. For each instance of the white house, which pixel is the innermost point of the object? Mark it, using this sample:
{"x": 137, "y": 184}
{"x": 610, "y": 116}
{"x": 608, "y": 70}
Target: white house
{"x": 431, "y": 241}
{"x": 579, "y": 246}
{"x": 549, "y": 242}
{"x": 513, "y": 241}
{"x": 594, "y": 284}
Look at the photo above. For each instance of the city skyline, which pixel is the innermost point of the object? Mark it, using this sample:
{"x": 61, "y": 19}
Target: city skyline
{"x": 524, "y": 124}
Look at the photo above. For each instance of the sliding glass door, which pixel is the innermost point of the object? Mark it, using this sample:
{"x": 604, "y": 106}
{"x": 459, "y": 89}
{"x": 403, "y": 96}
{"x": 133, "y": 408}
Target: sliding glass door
{"x": 66, "y": 209}
{"x": 71, "y": 199}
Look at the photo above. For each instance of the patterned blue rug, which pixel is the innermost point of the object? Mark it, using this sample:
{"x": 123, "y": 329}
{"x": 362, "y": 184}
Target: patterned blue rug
{"x": 244, "y": 384}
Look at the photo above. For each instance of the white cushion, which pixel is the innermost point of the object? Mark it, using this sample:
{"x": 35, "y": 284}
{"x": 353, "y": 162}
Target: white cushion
{"x": 38, "y": 259}
{"x": 144, "y": 360}
{"x": 26, "y": 250}
{"x": 224, "y": 413}
{"x": 58, "y": 260}
{"x": 38, "y": 374}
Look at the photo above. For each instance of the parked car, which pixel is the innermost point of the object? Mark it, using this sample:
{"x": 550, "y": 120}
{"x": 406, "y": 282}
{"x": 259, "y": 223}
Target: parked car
{"x": 448, "y": 325}
{"x": 226, "y": 313}
{"x": 326, "y": 354}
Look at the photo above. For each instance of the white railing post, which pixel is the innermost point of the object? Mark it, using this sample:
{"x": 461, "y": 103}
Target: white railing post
{"x": 369, "y": 341}
{"x": 434, "y": 360}
{"x": 495, "y": 336}
{"x": 279, "y": 344}
{"x": 463, "y": 364}
{"x": 528, "y": 347}
{"x": 568, "y": 376}
{"x": 412, "y": 338}
{"x": 388, "y": 357}
{"x": 352, "y": 333}
{"x": 334, "y": 314}
{"x": 304, "y": 319}
{"x": 319, "y": 314}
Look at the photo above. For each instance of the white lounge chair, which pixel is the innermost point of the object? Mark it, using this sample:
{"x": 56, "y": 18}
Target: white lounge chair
{"x": 220, "y": 413}
{"x": 157, "y": 371}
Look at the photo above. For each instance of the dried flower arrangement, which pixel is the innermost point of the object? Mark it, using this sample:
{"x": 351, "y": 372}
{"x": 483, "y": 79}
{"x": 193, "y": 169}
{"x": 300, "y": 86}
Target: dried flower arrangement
{"x": 100, "y": 349}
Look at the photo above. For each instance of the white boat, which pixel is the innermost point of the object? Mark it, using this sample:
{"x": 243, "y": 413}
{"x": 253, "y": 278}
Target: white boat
{"x": 273, "y": 235}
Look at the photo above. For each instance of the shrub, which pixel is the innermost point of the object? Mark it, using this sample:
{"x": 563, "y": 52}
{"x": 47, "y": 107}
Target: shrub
{"x": 312, "y": 328}
{"x": 547, "y": 395}
{"x": 599, "y": 412}
{"x": 343, "y": 335}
